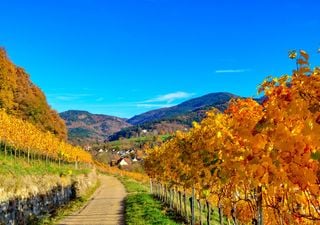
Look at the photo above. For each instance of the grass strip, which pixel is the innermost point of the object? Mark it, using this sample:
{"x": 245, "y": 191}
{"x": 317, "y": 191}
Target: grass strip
{"x": 20, "y": 167}
{"x": 142, "y": 209}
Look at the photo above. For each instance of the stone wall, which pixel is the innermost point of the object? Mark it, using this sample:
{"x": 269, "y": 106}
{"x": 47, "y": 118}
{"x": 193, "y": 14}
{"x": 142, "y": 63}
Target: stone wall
{"x": 22, "y": 211}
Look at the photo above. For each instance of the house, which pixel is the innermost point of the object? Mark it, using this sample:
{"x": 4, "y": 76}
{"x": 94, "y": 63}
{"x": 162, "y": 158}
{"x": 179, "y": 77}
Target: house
{"x": 124, "y": 162}
{"x": 135, "y": 159}
{"x": 114, "y": 160}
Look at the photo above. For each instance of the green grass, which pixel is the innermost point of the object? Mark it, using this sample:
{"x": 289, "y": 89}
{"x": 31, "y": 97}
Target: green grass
{"x": 133, "y": 186}
{"x": 141, "y": 208}
{"x": 20, "y": 167}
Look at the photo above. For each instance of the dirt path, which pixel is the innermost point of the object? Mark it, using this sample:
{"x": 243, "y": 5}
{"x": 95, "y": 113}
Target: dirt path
{"x": 106, "y": 206}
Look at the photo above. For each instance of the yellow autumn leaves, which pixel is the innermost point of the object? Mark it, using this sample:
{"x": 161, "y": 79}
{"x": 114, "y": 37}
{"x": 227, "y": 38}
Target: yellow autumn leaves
{"x": 25, "y": 137}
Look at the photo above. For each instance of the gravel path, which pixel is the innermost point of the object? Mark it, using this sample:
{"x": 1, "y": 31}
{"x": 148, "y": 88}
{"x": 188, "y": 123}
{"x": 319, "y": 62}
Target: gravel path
{"x": 106, "y": 206}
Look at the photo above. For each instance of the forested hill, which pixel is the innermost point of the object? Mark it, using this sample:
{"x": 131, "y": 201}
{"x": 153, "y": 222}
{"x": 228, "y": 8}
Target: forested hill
{"x": 84, "y": 127}
{"x": 179, "y": 117}
{"x": 20, "y": 97}
{"x": 218, "y": 100}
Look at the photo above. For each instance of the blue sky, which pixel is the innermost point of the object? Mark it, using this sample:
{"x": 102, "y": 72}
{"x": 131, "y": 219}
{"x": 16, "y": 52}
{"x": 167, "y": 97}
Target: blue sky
{"x": 124, "y": 57}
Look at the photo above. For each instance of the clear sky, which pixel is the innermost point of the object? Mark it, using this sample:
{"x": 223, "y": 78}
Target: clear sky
{"x": 124, "y": 57}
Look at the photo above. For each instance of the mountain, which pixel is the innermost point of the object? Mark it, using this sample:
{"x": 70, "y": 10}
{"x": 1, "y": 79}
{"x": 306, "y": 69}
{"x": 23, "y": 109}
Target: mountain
{"x": 23, "y": 99}
{"x": 84, "y": 127}
{"x": 179, "y": 117}
{"x": 218, "y": 100}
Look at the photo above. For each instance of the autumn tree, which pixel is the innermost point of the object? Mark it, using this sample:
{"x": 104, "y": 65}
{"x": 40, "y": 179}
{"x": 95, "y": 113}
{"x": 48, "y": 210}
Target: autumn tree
{"x": 20, "y": 97}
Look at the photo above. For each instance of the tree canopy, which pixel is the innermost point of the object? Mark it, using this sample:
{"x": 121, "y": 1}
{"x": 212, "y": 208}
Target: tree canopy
{"x": 23, "y": 99}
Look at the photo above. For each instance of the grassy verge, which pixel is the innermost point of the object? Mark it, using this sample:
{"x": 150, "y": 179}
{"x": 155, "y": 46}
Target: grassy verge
{"x": 18, "y": 178}
{"x": 142, "y": 208}
{"x": 20, "y": 167}
{"x": 73, "y": 206}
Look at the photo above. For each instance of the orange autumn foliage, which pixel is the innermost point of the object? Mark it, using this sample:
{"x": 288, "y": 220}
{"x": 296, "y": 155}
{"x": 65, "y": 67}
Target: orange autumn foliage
{"x": 23, "y": 99}
{"x": 273, "y": 147}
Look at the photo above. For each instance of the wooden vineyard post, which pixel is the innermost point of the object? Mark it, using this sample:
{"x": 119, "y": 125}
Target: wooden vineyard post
{"x": 208, "y": 212}
{"x": 162, "y": 192}
{"x": 200, "y": 211}
{"x": 185, "y": 206}
{"x": 173, "y": 198}
{"x": 76, "y": 163}
{"x": 259, "y": 205}
{"x": 233, "y": 215}
{"x": 220, "y": 214}
{"x": 5, "y": 150}
{"x": 165, "y": 194}
{"x": 157, "y": 189}
{"x": 180, "y": 202}
{"x": 151, "y": 191}
{"x": 170, "y": 197}
{"x": 28, "y": 155}
{"x": 192, "y": 201}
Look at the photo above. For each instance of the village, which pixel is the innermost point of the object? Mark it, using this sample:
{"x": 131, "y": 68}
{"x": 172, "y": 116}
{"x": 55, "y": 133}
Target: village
{"x": 131, "y": 159}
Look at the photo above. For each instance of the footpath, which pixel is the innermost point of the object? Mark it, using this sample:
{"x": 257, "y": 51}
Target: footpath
{"x": 106, "y": 206}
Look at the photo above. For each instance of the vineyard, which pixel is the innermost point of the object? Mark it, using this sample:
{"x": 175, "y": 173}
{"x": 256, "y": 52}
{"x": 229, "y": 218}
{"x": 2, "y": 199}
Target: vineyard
{"x": 21, "y": 138}
{"x": 255, "y": 163}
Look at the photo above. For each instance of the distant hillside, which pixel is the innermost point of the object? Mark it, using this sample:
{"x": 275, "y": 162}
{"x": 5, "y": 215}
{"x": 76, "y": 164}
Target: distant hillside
{"x": 84, "y": 127}
{"x": 20, "y": 97}
{"x": 218, "y": 100}
{"x": 179, "y": 117}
